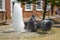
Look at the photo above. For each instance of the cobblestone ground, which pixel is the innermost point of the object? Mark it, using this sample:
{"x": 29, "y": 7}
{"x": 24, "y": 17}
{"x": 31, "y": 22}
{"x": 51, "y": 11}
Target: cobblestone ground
{"x": 6, "y": 35}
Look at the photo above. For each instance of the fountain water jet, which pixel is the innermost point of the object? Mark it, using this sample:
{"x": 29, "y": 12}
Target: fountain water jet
{"x": 17, "y": 18}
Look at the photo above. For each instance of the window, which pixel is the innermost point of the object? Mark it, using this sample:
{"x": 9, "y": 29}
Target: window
{"x": 39, "y": 5}
{"x": 48, "y": 7}
{"x": 2, "y": 5}
{"x": 28, "y": 7}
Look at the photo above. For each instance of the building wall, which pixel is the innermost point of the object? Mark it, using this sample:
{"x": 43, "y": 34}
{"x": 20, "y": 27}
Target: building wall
{"x": 27, "y": 14}
{"x": 7, "y": 9}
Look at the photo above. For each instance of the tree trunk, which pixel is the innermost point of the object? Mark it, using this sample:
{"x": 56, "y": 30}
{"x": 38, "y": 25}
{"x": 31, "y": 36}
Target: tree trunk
{"x": 52, "y": 10}
{"x": 44, "y": 9}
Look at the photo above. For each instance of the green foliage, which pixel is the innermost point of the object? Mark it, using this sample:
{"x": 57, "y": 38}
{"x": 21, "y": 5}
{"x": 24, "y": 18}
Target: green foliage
{"x": 57, "y": 3}
{"x": 18, "y": 0}
{"x": 53, "y": 2}
{"x": 22, "y": 0}
{"x": 48, "y": 1}
{"x": 27, "y": 1}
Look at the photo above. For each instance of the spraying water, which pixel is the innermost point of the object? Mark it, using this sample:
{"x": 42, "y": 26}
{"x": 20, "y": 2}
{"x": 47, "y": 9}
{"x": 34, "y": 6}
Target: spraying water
{"x": 17, "y": 18}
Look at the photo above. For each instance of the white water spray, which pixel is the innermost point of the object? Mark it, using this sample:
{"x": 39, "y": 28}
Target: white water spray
{"x": 17, "y": 18}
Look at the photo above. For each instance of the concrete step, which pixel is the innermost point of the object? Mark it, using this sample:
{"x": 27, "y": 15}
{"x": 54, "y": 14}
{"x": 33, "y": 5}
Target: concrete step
{"x": 56, "y": 20}
{"x": 6, "y": 28}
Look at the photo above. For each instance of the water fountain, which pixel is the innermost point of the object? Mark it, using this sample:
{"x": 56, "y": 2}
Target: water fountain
{"x": 18, "y": 24}
{"x": 17, "y": 18}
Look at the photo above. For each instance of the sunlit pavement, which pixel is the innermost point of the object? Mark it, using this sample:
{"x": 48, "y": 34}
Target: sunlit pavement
{"x": 6, "y": 35}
